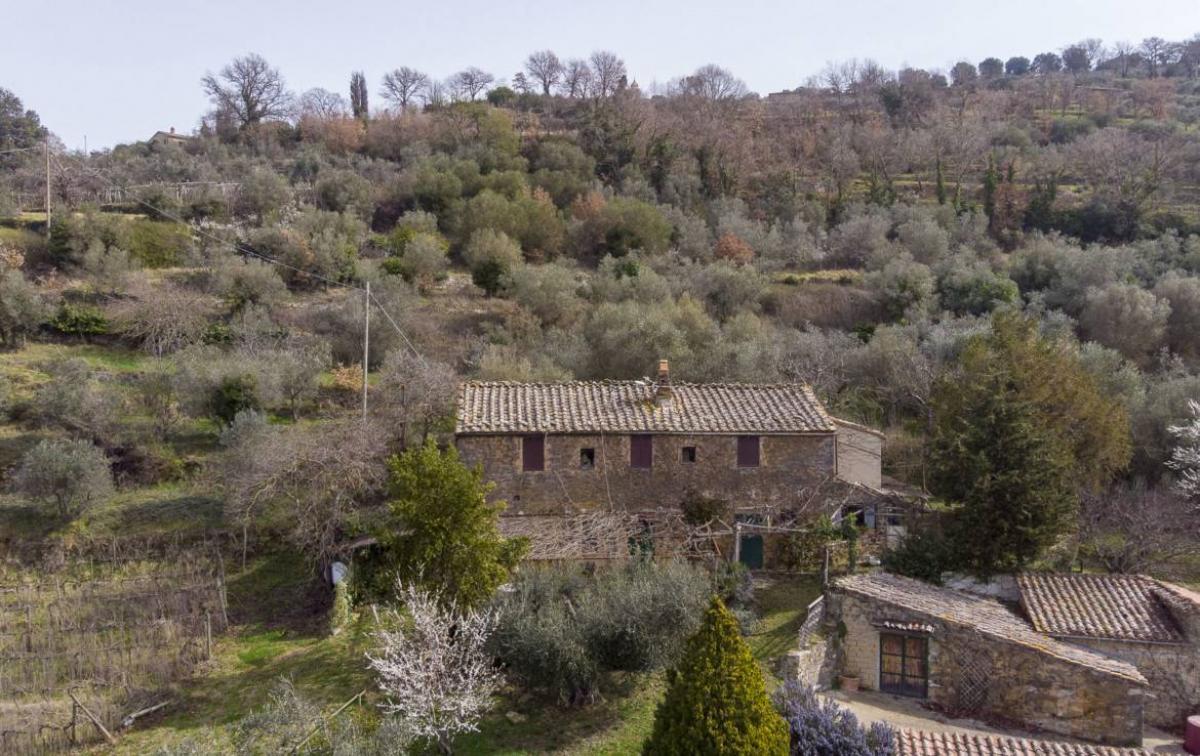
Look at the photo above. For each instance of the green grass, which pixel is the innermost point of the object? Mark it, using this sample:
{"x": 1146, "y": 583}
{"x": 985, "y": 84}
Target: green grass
{"x": 782, "y": 605}
{"x": 277, "y": 634}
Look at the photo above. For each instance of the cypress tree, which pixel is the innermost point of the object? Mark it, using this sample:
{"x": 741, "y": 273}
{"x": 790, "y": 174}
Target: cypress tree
{"x": 941, "y": 184}
{"x": 990, "y": 182}
{"x": 716, "y": 702}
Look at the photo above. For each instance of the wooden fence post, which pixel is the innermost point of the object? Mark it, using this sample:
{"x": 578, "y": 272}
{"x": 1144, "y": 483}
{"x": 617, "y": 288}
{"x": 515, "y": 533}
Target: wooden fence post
{"x": 208, "y": 633}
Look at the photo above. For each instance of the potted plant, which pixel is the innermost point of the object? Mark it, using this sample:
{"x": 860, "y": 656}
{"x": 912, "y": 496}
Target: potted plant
{"x": 848, "y": 683}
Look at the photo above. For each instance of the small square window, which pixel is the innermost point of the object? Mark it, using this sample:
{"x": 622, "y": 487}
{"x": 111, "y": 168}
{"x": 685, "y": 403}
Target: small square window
{"x": 688, "y": 454}
{"x": 587, "y": 459}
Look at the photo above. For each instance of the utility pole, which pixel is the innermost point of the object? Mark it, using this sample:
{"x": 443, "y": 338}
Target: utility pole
{"x": 366, "y": 345}
{"x": 47, "y": 187}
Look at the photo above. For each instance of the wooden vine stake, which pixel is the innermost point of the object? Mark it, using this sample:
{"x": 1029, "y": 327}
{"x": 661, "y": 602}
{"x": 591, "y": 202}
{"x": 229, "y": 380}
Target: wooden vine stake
{"x": 95, "y": 720}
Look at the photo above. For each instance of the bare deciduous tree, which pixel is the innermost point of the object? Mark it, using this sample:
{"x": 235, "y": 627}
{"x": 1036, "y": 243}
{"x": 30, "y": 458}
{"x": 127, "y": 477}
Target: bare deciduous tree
{"x": 312, "y": 478}
{"x": 608, "y": 73}
{"x": 576, "y": 78}
{"x": 323, "y": 104}
{"x": 468, "y": 83}
{"x": 249, "y": 89}
{"x": 404, "y": 86}
{"x": 713, "y": 83}
{"x": 1135, "y": 529}
{"x": 438, "y": 677}
{"x": 545, "y": 68}
{"x": 163, "y": 317}
{"x": 415, "y": 393}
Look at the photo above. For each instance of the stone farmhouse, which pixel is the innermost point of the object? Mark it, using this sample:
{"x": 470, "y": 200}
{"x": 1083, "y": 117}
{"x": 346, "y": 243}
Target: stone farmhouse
{"x": 559, "y": 449}
{"x": 1087, "y": 656}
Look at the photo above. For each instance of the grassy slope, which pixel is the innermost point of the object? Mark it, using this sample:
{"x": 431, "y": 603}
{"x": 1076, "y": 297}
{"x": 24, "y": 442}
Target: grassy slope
{"x": 331, "y": 670}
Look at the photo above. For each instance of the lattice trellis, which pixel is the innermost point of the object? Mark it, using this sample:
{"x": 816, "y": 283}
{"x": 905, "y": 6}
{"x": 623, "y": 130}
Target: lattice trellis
{"x": 971, "y": 676}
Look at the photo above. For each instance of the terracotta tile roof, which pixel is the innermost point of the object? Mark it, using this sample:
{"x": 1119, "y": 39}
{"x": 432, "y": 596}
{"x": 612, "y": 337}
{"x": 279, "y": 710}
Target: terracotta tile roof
{"x": 922, "y": 743}
{"x": 1114, "y": 607}
{"x": 628, "y": 407}
{"x": 984, "y": 615}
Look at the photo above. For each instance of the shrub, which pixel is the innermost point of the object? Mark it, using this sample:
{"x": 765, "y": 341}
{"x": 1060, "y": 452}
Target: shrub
{"x": 159, "y": 244}
{"x": 22, "y": 309}
{"x": 823, "y": 728}
{"x": 561, "y": 630}
{"x": 248, "y": 282}
{"x": 923, "y": 555}
{"x": 699, "y": 509}
{"x": 491, "y": 255}
{"x": 424, "y": 260}
{"x": 235, "y": 394}
{"x": 70, "y": 475}
{"x": 716, "y": 699}
{"x": 732, "y": 249}
{"x": 79, "y": 320}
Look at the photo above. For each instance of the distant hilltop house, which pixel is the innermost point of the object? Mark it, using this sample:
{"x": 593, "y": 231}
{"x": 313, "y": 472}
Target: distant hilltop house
{"x": 169, "y": 137}
{"x": 554, "y": 449}
{"x": 1087, "y": 656}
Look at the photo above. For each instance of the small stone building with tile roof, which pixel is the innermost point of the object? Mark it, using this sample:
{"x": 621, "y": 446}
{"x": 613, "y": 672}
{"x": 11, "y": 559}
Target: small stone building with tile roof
{"x": 924, "y": 743}
{"x": 971, "y": 655}
{"x": 1153, "y": 625}
{"x": 634, "y": 446}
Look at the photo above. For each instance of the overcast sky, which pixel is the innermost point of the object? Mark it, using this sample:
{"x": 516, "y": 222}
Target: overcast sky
{"x": 118, "y": 71}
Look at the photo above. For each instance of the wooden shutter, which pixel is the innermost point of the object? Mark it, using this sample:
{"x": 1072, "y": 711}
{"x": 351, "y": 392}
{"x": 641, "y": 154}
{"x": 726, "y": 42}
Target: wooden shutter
{"x": 747, "y": 451}
{"x": 533, "y": 453}
{"x": 641, "y": 452}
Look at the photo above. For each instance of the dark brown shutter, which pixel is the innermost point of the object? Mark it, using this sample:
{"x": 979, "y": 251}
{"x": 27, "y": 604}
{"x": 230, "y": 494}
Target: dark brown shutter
{"x": 533, "y": 453}
{"x": 641, "y": 452}
{"x": 747, "y": 451}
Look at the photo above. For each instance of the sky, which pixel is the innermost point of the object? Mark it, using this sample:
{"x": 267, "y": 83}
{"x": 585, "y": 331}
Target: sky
{"x": 115, "y": 72}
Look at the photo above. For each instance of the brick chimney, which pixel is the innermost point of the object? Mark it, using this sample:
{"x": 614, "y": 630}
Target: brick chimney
{"x": 663, "y": 395}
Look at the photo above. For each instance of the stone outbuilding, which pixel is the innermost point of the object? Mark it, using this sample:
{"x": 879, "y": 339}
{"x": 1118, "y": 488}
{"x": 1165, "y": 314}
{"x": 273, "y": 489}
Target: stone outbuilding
{"x": 1152, "y": 625}
{"x": 971, "y": 655}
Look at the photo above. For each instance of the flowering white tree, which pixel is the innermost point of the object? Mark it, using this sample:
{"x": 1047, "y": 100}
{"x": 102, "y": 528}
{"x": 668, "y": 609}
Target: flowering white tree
{"x": 437, "y": 676}
{"x": 1185, "y": 459}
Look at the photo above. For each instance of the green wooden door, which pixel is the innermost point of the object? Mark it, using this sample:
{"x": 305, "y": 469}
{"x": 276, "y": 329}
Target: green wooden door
{"x": 750, "y": 552}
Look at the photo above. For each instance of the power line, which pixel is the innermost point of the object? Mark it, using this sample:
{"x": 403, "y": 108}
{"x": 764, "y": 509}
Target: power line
{"x": 244, "y": 250}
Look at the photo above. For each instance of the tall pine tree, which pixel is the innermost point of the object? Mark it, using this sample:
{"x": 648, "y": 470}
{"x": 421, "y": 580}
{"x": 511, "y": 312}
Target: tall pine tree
{"x": 716, "y": 702}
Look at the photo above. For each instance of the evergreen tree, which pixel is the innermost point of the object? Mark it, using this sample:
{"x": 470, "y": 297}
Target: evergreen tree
{"x": 440, "y": 532}
{"x": 991, "y": 180}
{"x": 716, "y": 702}
{"x": 358, "y": 95}
{"x": 1020, "y": 428}
{"x": 941, "y": 183}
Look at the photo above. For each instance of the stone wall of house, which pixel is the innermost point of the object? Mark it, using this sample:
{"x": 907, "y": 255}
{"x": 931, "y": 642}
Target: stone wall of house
{"x": 971, "y": 673}
{"x": 859, "y": 455}
{"x": 1173, "y": 672}
{"x": 787, "y": 464}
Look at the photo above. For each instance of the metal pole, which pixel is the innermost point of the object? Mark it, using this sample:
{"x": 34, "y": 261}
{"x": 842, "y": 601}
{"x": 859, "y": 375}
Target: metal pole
{"x": 366, "y": 347}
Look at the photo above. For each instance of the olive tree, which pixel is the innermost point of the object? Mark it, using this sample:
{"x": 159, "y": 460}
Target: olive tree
{"x": 22, "y": 309}
{"x": 69, "y": 475}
